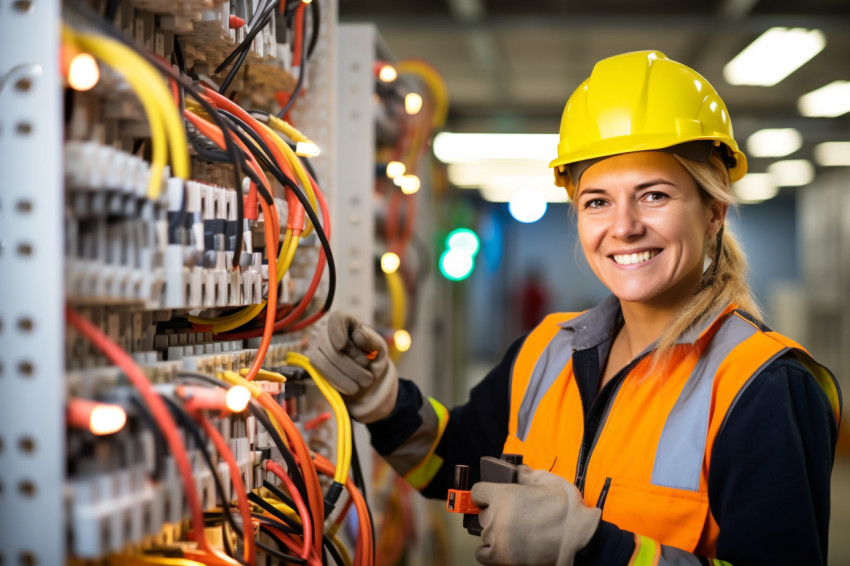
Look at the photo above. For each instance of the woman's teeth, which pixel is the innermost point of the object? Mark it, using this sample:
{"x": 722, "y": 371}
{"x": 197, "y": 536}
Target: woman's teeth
{"x": 629, "y": 259}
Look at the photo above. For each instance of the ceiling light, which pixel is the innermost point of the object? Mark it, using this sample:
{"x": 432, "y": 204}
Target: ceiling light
{"x": 774, "y": 142}
{"x": 774, "y": 55}
{"x": 833, "y": 154}
{"x": 527, "y": 206}
{"x": 755, "y": 187}
{"x": 412, "y": 103}
{"x": 828, "y": 101}
{"x": 455, "y": 148}
{"x": 791, "y": 172}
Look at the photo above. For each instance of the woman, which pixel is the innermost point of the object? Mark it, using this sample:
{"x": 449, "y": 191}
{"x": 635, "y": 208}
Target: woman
{"x": 667, "y": 425}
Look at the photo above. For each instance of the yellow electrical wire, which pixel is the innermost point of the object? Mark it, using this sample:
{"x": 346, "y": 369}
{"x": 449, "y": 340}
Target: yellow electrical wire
{"x": 435, "y": 84}
{"x": 236, "y": 379}
{"x": 343, "y": 551}
{"x": 265, "y": 375}
{"x": 165, "y": 122}
{"x": 398, "y": 301}
{"x": 343, "y": 446}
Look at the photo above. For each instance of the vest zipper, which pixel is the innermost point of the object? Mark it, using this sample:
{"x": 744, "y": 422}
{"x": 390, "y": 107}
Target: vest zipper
{"x": 609, "y": 392}
{"x": 603, "y": 495}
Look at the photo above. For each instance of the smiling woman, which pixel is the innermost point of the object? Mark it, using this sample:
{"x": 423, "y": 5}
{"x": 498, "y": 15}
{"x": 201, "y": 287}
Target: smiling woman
{"x": 701, "y": 436}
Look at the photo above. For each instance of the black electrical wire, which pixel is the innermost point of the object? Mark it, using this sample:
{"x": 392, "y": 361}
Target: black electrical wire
{"x": 159, "y": 445}
{"x": 287, "y": 182}
{"x": 245, "y": 47}
{"x": 316, "y": 18}
{"x": 302, "y": 72}
{"x": 259, "y": 413}
{"x": 246, "y": 42}
{"x": 194, "y": 431}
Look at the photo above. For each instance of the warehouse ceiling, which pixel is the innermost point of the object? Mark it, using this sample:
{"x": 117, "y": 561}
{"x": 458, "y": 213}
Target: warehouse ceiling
{"x": 510, "y": 66}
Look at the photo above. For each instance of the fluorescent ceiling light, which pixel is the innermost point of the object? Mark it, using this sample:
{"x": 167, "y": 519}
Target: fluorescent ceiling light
{"x": 791, "y": 172}
{"x": 774, "y": 55}
{"x": 454, "y": 148}
{"x": 477, "y": 173}
{"x": 755, "y": 187}
{"x": 504, "y": 194}
{"x": 833, "y": 154}
{"x": 828, "y": 101}
{"x": 775, "y": 142}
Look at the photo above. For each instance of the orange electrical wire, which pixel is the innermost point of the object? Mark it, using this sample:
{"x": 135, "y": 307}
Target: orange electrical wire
{"x": 163, "y": 419}
{"x": 238, "y": 485}
{"x": 272, "y": 234}
{"x": 287, "y": 318}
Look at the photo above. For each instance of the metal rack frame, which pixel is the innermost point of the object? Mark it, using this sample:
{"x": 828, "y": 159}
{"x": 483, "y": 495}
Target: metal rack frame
{"x": 32, "y": 424}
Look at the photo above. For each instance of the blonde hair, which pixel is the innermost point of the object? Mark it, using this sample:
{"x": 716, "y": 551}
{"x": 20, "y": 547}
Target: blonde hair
{"x": 725, "y": 280}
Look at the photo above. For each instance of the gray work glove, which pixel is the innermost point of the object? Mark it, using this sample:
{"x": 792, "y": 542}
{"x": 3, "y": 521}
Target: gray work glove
{"x": 369, "y": 386}
{"x": 539, "y": 520}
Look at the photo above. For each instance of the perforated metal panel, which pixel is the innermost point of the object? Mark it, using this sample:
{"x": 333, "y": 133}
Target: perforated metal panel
{"x": 32, "y": 460}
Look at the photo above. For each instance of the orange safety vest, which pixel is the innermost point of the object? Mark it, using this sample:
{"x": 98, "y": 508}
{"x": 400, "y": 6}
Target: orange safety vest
{"x": 654, "y": 448}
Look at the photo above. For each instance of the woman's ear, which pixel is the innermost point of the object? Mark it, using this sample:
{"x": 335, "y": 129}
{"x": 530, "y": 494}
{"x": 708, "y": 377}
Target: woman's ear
{"x": 717, "y": 211}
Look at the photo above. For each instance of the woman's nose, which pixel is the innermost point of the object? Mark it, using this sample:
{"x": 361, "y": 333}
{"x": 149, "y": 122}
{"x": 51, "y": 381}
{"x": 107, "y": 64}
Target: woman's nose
{"x": 627, "y": 223}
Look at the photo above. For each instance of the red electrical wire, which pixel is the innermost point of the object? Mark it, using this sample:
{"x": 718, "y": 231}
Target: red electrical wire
{"x": 238, "y": 485}
{"x": 305, "y": 462}
{"x": 277, "y": 470}
{"x": 163, "y": 419}
{"x": 298, "y": 44}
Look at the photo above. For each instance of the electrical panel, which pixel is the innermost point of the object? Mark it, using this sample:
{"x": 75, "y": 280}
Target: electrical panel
{"x": 170, "y": 175}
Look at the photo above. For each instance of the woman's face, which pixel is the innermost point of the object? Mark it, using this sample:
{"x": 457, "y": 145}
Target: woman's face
{"x": 642, "y": 224}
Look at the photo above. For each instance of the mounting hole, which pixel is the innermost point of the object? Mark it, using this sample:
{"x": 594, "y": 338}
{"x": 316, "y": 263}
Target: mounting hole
{"x": 23, "y": 85}
{"x": 25, "y": 249}
{"x": 27, "y": 488}
{"x": 28, "y": 558}
{"x": 27, "y": 445}
{"x": 26, "y": 369}
{"x": 22, "y": 6}
{"x": 25, "y": 206}
{"x": 23, "y": 128}
{"x": 1, "y": 445}
{"x": 25, "y": 324}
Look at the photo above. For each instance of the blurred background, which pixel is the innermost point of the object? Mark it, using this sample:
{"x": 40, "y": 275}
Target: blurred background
{"x": 509, "y": 67}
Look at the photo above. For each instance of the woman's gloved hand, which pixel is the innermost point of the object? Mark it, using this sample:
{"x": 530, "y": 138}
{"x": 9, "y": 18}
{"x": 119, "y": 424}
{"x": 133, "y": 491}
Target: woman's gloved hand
{"x": 539, "y": 520}
{"x": 354, "y": 360}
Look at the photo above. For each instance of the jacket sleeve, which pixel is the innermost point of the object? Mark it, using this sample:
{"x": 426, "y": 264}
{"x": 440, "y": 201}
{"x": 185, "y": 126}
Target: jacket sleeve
{"x": 423, "y": 441}
{"x": 768, "y": 487}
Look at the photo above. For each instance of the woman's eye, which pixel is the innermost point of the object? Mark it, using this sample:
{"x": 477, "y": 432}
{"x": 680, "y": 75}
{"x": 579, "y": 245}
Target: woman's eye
{"x": 594, "y": 203}
{"x": 655, "y": 196}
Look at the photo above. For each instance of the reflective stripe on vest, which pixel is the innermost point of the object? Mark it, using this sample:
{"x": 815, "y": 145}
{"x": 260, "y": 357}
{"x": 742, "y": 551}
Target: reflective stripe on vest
{"x": 655, "y": 444}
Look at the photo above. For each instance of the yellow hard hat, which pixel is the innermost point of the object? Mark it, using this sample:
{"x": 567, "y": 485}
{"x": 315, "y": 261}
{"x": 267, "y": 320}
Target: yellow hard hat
{"x": 643, "y": 101}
